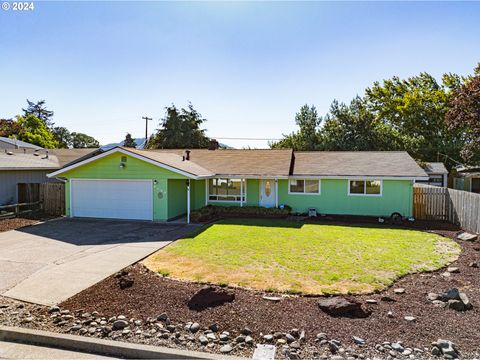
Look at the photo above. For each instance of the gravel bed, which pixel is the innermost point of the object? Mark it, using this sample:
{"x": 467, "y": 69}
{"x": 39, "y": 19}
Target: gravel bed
{"x": 19, "y": 222}
{"x": 403, "y": 324}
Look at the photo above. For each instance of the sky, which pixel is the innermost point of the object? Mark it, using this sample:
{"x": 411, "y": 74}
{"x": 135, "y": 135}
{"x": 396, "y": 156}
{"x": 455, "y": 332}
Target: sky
{"x": 247, "y": 67}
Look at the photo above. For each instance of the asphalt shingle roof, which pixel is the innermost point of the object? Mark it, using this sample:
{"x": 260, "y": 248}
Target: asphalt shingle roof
{"x": 435, "y": 168}
{"x": 356, "y": 163}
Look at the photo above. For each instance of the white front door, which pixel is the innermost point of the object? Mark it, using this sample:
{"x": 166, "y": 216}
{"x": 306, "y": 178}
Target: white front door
{"x": 267, "y": 193}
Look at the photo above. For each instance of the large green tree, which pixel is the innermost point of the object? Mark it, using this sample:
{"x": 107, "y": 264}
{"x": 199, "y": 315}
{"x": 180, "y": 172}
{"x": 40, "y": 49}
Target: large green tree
{"x": 414, "y": 110}
{"x": 354, "y": 127}
{"x": 307, "y": 137}
{"x": 34, "y": 131}
{"x": 80, "y": 140}
{"x": 40, "y": 111}
{"x": 63, "y": 136}
{"x": 180, "y": 129}
{"x": 464, "y": 116}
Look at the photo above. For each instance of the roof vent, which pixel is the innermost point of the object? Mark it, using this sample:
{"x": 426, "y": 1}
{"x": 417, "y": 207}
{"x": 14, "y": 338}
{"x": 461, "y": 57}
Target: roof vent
{"x": 36, "y": 153}
{"x": 46, "y": 155}
{"x": 186, "y": 156}
{"x": 9, "y": 153}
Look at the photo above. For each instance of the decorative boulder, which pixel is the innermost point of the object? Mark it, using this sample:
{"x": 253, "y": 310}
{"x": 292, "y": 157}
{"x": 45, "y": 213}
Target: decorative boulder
{"x": 343, "y": 307}
{"x": 125, "y": 282}
{"x": 210, "y": 296}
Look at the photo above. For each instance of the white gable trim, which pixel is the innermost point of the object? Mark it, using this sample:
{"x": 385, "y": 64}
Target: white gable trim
{"x": 126, "y": 152}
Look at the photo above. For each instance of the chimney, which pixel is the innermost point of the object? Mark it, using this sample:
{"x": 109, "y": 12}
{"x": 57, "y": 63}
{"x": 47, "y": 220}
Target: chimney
{"x": 187, "y": 155}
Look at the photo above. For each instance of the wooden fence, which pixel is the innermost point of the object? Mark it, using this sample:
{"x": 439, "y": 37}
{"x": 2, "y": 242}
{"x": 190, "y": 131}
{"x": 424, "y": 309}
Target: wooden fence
{"x": 51, "y": 195}
{"x": 436, "y": 203}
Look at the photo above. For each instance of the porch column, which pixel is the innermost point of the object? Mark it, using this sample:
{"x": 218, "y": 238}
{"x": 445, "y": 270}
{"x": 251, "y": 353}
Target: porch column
{"x": 188, "y": 201}
{"x": 276, "y": 193}
{"x": 241, "y": 192}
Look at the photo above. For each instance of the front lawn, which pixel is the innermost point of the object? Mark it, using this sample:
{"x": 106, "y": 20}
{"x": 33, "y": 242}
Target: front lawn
{"x": 279, "y": 255}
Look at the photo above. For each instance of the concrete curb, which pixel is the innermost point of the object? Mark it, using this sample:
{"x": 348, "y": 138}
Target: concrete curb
{"x": 100, "y": 346}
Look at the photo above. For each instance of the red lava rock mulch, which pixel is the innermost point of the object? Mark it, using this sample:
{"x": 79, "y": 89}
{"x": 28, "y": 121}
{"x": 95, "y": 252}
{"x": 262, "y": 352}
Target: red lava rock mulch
{"x": 152, "y": 295}
{"x": 16, "y": 223}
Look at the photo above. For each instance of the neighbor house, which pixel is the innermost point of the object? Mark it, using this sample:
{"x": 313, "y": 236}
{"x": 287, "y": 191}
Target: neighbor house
{"x": 467, "y": 178}
{"x": 130, "y": 183}
{"x": 31, "y": 165}
{"x": 10, "y": 144}
{"x": 437, "y": 174}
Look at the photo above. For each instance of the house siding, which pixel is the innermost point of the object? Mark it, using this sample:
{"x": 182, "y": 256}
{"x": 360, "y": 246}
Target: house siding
{"x": 10, "y": 178}
{"x": 177, "y": 198}
{"x": 397, "y": 196}
{"x": 108, "y": 167}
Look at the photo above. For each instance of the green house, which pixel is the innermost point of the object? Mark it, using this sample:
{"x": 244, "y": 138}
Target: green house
{"x": 126, "y": 183}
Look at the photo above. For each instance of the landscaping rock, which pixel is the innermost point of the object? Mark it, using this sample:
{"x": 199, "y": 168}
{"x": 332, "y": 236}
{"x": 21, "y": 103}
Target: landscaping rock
{"x": 125, "y": 282}
{"x": 387, "y": 299}
{"x": 341, "y": 306}
{"x": 246, "y": 331}
{"x": 225, "y": 349}
{"x": 399, "y": 291}
{"x": 433, "y": 296}
{"x": 203, "y": 340}
{"x": 453, "y": 269}
{"x": 272, "y": 298}
{"x": 410, "y": 318}
{"x": 473, "y": 264}
{"x": 53, "y": 309}
{"x": 371, "y": 301}
{"x": 210, "y": 296}
{"x": 447, "y": 349}
{"x": 214, "y": 327}
{"x": 452, "y": 294}
{"x": 249, "y": 340}
{"x": 120, "y": 324}
{"x": 465, "y": 236}
{"x": 194, "y": 327}
{"x": 358, "y": 341}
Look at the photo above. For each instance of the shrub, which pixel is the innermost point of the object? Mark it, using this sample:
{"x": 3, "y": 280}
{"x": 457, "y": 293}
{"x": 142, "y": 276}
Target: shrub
{"x": 211, "y": 212}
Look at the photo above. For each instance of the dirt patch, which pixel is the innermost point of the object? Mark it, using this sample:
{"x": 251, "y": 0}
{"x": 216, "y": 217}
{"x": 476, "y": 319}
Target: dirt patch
{"x": 16, "y": 223}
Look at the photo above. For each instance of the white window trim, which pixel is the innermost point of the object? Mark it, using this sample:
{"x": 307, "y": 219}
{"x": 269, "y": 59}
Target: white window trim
{"x": 305, "y": 193}
{"x": 364, "y": 187}
{"x": 226, "y": 201}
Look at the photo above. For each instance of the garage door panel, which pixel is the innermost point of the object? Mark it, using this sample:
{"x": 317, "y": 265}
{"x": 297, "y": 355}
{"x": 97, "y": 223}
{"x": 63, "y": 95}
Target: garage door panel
{"x": 112, "y": 199}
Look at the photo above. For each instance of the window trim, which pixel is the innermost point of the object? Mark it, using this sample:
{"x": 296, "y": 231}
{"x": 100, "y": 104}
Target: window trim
{"x": 305, "y": 193}
{"x": 227, "y": 201}
{"x": 365, "y": 187}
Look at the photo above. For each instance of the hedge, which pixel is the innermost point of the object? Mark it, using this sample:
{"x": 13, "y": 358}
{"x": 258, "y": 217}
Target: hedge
{"x": 211, "y": 212}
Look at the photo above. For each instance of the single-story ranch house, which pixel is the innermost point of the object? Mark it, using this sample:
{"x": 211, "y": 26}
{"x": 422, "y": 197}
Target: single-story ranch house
{"x": 127, "y": 183}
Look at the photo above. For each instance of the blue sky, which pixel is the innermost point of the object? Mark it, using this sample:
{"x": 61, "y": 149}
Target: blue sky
{"x": 246, "y": 66}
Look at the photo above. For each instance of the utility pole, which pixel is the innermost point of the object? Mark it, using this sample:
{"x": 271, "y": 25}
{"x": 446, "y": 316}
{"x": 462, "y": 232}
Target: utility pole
{"x": 147, "y": 119}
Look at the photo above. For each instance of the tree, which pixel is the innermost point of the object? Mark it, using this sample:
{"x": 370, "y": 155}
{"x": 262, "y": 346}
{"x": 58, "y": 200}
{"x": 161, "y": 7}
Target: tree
{"x": 39, "y": 110}
{"x": 34, "y": 131}
{"x": 464, "y": 116}
{"x": 307, "y": 137}
{"x": 63, "y": 137}
{"x": 414, "y": 110}
{"x": 129, "y": 142}
{"x": 80, "y": 140}
{"x": 180, "y": 129}
{"x": 355, "y": 128}
{"x": 9, "y": 127}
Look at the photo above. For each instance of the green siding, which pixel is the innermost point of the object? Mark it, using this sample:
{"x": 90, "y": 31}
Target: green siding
{"x": 197, "y": 194}
{"x": 397, "y": 196}
{"x": 108, "y": 167}
{"x": 177, "y": 198}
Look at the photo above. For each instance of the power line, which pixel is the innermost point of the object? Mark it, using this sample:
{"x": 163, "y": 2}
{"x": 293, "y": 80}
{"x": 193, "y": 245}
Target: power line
{"x": 239, "y": 138}
{"x": 147, "y": 119}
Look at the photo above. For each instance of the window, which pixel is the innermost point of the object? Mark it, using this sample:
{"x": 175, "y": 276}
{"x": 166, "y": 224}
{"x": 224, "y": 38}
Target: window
{"x": 226, "y": 189}
{"x": 304, "y": 186}
{"x": 365, "y": 187}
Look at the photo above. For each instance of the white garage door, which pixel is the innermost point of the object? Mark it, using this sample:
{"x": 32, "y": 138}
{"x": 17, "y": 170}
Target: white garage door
{"x": 114, "y": 199}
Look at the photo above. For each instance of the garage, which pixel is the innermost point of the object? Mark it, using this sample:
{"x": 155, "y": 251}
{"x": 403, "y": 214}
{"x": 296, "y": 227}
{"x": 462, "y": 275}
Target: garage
{"x": 112, "y": 199}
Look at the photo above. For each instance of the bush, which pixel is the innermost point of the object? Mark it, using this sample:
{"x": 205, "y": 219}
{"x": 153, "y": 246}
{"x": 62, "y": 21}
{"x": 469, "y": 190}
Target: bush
{"x": 211, "y": 212}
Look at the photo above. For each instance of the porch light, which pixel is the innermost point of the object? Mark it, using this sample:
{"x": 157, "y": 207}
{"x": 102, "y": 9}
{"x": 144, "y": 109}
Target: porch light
{"x": 122, "y": 165}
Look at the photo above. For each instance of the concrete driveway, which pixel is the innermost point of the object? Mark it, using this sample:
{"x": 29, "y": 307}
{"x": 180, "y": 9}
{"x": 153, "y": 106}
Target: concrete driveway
{"x": 49, "y": 262}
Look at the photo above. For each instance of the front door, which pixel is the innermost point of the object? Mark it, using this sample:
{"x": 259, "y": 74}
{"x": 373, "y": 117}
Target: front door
{"x": 267, "y": 193}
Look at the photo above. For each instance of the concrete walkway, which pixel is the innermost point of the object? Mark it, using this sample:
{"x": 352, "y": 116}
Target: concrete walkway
{"x": 48, "y": 263}
{"x": 11, "y": 350}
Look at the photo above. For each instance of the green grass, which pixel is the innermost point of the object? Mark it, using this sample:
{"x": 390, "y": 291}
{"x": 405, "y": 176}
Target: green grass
{"x": 309, "y": 258}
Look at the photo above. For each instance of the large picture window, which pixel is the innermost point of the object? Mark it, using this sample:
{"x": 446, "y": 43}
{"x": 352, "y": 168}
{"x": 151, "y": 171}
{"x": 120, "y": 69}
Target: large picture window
{"x": 304, "y": 186}
{"x": 226, "y": 190}
{"x": 365, "y": 187}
